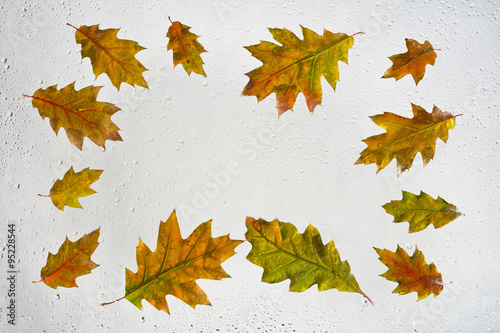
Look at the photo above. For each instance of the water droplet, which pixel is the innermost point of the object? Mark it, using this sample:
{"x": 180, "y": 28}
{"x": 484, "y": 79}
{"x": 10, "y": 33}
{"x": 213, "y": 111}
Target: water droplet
{"x": 57, "y": 296}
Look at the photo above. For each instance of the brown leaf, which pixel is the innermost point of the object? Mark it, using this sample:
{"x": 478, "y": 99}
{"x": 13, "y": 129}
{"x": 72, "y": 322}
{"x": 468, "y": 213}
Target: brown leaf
{"x": 412, "y": 62}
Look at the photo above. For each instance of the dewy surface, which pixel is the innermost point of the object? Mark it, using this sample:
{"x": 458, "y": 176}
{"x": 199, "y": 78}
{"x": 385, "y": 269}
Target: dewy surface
{"x": 190, "y": 143}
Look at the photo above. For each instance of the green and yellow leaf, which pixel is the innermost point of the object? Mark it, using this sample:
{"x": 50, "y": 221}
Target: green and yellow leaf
{"x": 412, "y": 274}
{"x": 284, "y": 254}
{"x": 78, "y": 112}
{"x": 421, "y": 211}
{"x": 66, "y": 191}
{"x": 186, "y": 48}
{"x": 71, "y": 261}
{"x": 296, "y": 66}
{"x": 176, "y": 264}
{"x": 111, "y": 55}
{"x": 405, "y": 137}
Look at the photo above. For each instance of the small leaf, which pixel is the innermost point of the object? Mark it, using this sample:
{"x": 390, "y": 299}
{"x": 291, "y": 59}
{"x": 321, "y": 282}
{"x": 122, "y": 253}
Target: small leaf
{"x": 186, "y": 48}
{"x": 111, "y": 55}
{"x": 71, "y": 261}
{"x": 405, "y": 137}
{"x": 412, "y": 62}
{"x": 412, "y": 273}
{"x": 285, "y": 254}
{"x": 78, "y": 112}
{"x": 297, "y": 66}
{"x": 66, "y": 191}
{"x": 421, "y": 211}
{"x": 176, "y": 264}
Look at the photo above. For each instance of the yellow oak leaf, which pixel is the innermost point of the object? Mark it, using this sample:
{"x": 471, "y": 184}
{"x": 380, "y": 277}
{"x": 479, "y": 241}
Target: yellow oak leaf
{"x": 78, "y": 112}
{"x": 111, "y": 55}
{"x": 405, "y": 137}
{"x": 186, "y": 48}
{"x": 176, "y": 264}
{"x": 71, "y": 261}
{"x": 297, "y": 66}
{"x": 66, "y": 191}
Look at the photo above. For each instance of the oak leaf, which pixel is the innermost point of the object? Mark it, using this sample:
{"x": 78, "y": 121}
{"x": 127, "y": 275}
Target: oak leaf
{"x": 297, "y": 66}
{"x": 71, "y": 261}
{"x": 176, "y": 264}
{"x": 78, "y": 112}
{"x": 412, "y": 62}
{"x": 186, "y": 48}
{"x": 411, "y": 273}
{"x": 421, "y": 211}
{"x": 284, "y": 253}
{"x": 405, "y": 137}
{"x": 66, "y": 191}
{"x": 111, "y": 55}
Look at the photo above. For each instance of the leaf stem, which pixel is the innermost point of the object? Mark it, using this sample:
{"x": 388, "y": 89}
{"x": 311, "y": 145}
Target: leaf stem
{"x": 170, "y": 20}
{"x": 72, "y": 26}
{"x": 358, "y": 33}
{"x": 108, "y": 303}
{"x": 44, "y": 195}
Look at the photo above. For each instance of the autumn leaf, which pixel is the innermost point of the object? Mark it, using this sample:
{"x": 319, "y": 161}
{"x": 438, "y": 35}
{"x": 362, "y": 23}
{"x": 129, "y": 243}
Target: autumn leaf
{"x": 111, "y": 55}
{"x": 71, "y": 261}
{"x": 66, "y": 191}
{"x": 421, "y": 211}
{"x": 176, "y": 264}
{"x": 412, "y": 62}
{"x": 303, "y": 258}
{"x": 411, "y": 273}
{"x": 405, "y": 137}
{"x": 186, "y": 48}
{"x": 297, "y": 66}
{"x": 78, "y": 112}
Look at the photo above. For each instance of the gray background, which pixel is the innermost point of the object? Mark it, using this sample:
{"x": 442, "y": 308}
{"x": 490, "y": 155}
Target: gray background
{"x": 185, "y": 131}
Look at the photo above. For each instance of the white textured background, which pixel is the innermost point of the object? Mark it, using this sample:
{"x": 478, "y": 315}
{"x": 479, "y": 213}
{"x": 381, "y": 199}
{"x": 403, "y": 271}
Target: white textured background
{"x": 184, "y": 131}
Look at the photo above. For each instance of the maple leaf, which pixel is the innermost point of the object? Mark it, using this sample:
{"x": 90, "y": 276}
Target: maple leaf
{"x": 284, "y": 253}
{"x": 111, "y": 55}
{"x": 78, "y": 112}
{"x": 412, "y": 62}
{"x": 186, "y": 48}
{"x": 405, "y": 137}
{"x": 421, "y": 211}
{"x": 71, "y": 261}
{"x": 66, "y": 191}
{"x": 176, "y": 264}
{"x": 411, "y": 273}
{"x": 297, "y": 66}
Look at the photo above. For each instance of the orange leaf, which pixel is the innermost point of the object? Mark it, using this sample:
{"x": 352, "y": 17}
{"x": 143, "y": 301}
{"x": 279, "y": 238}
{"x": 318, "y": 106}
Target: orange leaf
{"x": 71, "y": 261}
{"x": 186, "y": 48}
{"x": 405, "y": 137}
{"x": 297, "y": 66}
{"x": 412, "y": 273}
{"x": 111, "y": 55}
{"x": 66, "y": 191}
{"x": 78, "y": 112}
{"x": 412, "y": 62}
{"x": 176, "y": 264}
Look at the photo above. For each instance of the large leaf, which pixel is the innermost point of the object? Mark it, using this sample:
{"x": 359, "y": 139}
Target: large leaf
{"x": 111, "y": 55}
{"x": 78, "y": 112}
{"x": 411, "y": 273}
{"x": 297, "y": 66}
{"x": 186, "y": 48}
{"x": 405, "y": 137}
{"x": 284, "y": 253}
{"x": 176, "y": 264}
{"x": 412, "y": 62}
{"x": 71, "y": 261}
{"x": 66, "y": 191}
{"x": 421, "y": 211}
